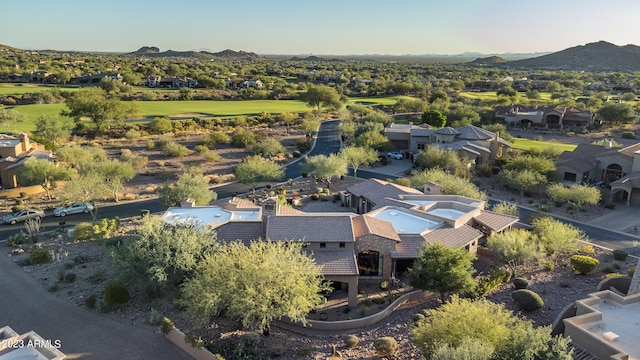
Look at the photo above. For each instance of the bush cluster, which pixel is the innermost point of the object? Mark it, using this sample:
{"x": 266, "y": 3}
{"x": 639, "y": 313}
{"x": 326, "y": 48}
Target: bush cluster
{"x": 39, "y": 257}
{"x": 620, "y": 255}
{"x": 527, "y": 299}
{"x": 493, "y": 281}
{"x": 350, "y": 341}
{"x": 520, "y": 283}
{"x": 166, "y": 325}
{"x": 385, "y": 346}
{"x": 116, "y": 293}
{"x": 584, "y": 264}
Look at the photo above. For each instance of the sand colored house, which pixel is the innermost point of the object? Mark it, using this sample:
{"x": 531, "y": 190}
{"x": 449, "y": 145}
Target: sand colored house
{"x": 471, "y": 142}
{"x": 607, "y": 325}
{"x": 14, "y": 151}
{"x": 378, "y": 244}
{"x": 557, "y": 117}
{"x": 617, "y": 167}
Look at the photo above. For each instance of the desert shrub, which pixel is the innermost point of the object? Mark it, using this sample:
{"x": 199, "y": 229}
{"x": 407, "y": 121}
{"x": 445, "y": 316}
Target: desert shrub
{"x": 384, "y": 285}
{"x": 155, "y": 318}
{"x": 149, "y": 144}
{"x": 620, "y": 255}
{"x": 631, "y": 272}
{"x": 137, "y": 161}
{"x": 403, "y": 182}
{"x": 251, "y": 339}
{"x": 114, "y": 241}
{"x": 493, "y": 281}
{"x": 520, "y": 283}
{"x": 584, "y": 264}
{"x": 587, "y": 250}
{"x": 243, "y": 138}
{"x": 385, "y": 346}
{"x": 106, "y": 228}
{"x": 17, "y": 238}
{"x": 70, "y": 277}
{"x": 194, "y": 341}
{"x": 418, "y": 317}
{"x": 174, "y": 149}
{"x": 90, "y": 301}
{"x": 161, "y": 125}
{"x": 132, "y": 134}
{"x": 83, "y": 231}
{"x": 628, "y": 135}
{"x": 200, "y": 149}
{"x": 129, "y": 196}
{"x": 116, "y": 293}
{"x": 277, "y": 349}
{"x": 527, "y": 299}
{"x": 549, "y": 265}
{"x": 39, "y": 257}
{"x": 350, "y": 341}
{"x": 166, "y": 325}
{"x": 211, "y": 156}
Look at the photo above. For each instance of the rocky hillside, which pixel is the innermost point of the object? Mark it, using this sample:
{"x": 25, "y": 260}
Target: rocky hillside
{"x": 593, "y": 56}
{"x": 491, "y": 60}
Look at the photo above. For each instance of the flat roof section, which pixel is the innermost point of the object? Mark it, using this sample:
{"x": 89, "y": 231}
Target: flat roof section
{"x": 452, "y": 214}
{"x": 405, "y": 223}
{"x": 622, "y": 320}
{"x": 212, "y": 216}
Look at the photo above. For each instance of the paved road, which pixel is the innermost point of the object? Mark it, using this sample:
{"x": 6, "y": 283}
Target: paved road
{"x": 25, "y": 305}
{"x": 327, "y": 142}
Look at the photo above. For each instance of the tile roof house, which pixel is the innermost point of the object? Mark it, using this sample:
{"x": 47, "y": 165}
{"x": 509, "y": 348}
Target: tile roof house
{"x": 377, "y": 244}
{"x": 618, "y": 167}
{"x": 14, "y": 151}
{"x": 558, "y": 117}
{"x": 469, "y": 141}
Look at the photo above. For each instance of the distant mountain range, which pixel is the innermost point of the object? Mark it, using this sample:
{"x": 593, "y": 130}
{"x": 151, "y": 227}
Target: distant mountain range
{"x": 152, "y": 51}
{"x": 593, "y": 56}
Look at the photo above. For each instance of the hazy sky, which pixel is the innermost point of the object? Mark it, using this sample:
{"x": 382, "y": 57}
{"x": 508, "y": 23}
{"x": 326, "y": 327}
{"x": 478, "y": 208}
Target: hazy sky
{"x": 319, "y": 27}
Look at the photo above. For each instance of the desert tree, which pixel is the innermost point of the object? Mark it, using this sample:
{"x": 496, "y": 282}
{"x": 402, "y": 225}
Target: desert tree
{"x": 255, "y": 284}
{"x": 191, "y": 184}
{"x": 444, "y": 270}
{"x": 253, "y": 170}
{"x": 326, "y": 168}
{"x": 514, "y": 247}
{"x": 42, "y": 172}
{"x": 321, "y": 97}
{"x": 9, "y": 118}
{"x": 163, "y": 254}
{"x": 356, "y": 156}
{"x": 577, "y": 195}
{"x": 557, "y": 237}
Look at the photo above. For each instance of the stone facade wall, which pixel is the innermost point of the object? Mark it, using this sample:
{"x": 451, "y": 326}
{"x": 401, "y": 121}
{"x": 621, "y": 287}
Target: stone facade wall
{"x": 382, "y": 246}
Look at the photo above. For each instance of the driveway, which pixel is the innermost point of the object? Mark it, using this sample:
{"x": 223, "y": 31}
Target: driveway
{"x": 25, "y": 305}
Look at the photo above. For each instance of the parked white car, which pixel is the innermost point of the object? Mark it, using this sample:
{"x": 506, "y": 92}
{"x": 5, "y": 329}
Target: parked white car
{"x": 23, "y": 215}
{"x": 395, "y": 155}
{"x": 76, "y": 208}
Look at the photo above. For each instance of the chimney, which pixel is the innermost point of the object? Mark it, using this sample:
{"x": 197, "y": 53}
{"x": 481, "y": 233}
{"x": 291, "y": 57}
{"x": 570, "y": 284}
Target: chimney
{"x": 24, "y": 139}
{"x": 431, "y": 188}
{"x": 188, "y": 203}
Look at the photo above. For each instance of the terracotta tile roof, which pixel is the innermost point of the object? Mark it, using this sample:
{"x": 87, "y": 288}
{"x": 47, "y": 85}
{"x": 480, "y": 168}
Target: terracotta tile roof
{"x": 495, "y": 221}
{"x": 409, "y": 247}
{"x": 235, "y": 203}
{"x": 336, "y": 262}
{"x": 243, "y": 231}
{"x": 376, "y": 190}
{"x": 366, "y": 225}
{"x": 286, "y": 210}
{"x": 455, "y": 238}
{"x": 316, "y": 228}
